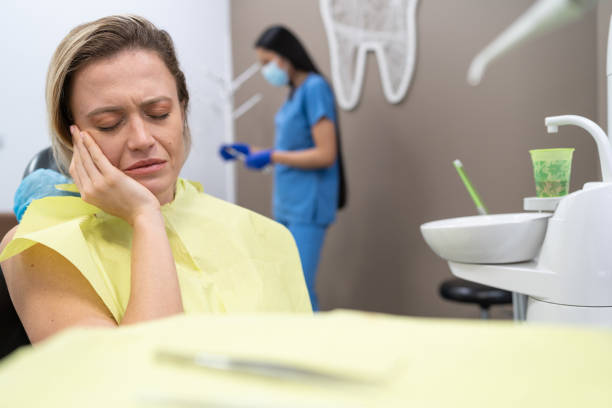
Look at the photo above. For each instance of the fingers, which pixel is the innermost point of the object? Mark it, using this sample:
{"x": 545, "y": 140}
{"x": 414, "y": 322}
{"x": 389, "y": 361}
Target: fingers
{"x": 97, "y": 156}
{"x": 225, "y": 154}
{"x": 74, "y": 132}
{"x": 92, "y": 172}
{"x": 85, "y": 168}
{"x": 94, "y": 161}
{"x": 76, "y": 168}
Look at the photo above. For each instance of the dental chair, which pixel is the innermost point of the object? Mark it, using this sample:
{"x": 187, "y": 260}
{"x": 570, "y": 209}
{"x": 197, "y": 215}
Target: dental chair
{"x": 460, "y": 290}
{"x": 12, "y": 333}
{"x": 43, "y": 160}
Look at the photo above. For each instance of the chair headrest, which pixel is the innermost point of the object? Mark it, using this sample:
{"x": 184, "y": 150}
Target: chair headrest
{"x": 42, "y": 160}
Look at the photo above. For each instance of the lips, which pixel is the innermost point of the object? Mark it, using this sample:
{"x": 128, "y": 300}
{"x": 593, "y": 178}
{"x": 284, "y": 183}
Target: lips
{"x": 145, "y": 166}
{"x": 385, "y": 27}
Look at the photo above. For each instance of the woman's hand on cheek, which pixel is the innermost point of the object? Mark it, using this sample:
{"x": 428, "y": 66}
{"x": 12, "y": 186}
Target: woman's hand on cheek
{"x": 105, "y": 186}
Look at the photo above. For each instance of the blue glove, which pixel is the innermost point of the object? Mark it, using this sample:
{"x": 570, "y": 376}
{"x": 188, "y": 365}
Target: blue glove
{"x": 259, "y": 160}
{"x": 240, "y": 147}
{"x": 38, "y": 184}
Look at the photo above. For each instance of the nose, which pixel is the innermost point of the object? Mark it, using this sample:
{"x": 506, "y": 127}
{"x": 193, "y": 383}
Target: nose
{"x": 140, "y": 137}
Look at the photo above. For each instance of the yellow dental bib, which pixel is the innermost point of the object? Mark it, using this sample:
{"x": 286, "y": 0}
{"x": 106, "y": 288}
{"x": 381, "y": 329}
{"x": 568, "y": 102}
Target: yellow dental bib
{"x": 228, "y": 259}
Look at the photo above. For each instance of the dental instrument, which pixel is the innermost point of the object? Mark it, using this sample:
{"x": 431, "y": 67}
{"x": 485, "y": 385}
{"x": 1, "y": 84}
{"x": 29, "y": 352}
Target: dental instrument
{"x": 482, "y": 210}
{"x": 238, "y": 154}
{"x": 258, "y": 367}
{"x": 156, "y": 398}
{"x": 242, "y": 158}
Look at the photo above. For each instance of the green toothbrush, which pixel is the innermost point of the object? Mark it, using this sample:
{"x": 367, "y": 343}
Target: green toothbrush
{"x": 482, "y": 210}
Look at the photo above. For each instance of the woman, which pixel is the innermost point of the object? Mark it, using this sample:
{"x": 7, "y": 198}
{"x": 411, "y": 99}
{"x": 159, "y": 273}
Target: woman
{"x": 309, "y": 183}
{"x": 140, "y": 243}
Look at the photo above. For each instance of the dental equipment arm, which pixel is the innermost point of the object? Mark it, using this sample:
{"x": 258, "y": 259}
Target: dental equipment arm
{"x": 544, "y": 15}
{"x": 603, "y": 145}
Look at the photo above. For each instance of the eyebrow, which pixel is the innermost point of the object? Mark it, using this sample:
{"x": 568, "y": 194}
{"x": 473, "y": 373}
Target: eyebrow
{"x": 112, "y": 109}
{"x": 104, "y": 109}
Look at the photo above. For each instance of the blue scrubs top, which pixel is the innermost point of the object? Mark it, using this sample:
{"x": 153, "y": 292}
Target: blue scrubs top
{"x": 300, "y": 195}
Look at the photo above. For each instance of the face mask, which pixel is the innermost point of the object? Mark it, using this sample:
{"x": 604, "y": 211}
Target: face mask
{"x": 275, "y": 75}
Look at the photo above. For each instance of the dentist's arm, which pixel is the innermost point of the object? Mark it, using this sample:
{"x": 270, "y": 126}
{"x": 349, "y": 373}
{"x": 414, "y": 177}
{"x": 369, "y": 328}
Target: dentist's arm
{"x": 323, "y": 154}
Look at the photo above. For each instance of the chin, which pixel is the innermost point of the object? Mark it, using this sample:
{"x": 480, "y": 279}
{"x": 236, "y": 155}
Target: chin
{"x": 159, "y": 186}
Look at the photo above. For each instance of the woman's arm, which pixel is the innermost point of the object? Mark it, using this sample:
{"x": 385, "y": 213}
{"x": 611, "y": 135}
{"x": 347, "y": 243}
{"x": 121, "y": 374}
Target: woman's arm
{"x": 49, "y": 293}
{"x": 154, "y": 290}
{"x": 322, "y": 155}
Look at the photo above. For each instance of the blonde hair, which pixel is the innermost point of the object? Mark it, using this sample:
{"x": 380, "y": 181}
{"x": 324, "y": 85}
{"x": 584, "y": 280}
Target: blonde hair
{"x": 88, "y": 42}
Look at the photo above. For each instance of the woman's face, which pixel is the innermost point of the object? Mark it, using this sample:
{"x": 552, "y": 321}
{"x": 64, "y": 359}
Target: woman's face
{"x": 129, "y": 104}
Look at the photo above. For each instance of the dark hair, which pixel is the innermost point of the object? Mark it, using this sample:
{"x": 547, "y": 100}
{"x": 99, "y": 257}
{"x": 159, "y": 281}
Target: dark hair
{"x": 282, "y": 41}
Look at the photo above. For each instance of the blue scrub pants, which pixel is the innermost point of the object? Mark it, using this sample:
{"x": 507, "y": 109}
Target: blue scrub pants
{"x": 309, "y": 240}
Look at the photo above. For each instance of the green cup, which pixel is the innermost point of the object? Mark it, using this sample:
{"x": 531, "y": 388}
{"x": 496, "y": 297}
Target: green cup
{"x": 551, "y": 170}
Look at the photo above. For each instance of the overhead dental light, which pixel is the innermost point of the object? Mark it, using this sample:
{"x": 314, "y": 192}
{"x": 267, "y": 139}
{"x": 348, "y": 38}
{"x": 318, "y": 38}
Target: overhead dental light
{"x": 543, "y": 16}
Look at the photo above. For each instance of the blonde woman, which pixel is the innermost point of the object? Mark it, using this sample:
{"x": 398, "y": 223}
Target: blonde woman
{"x": 140, "y": 243}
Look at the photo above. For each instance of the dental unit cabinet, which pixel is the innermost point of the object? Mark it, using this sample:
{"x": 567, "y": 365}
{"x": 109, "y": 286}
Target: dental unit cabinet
{"x": 570, "y": 281}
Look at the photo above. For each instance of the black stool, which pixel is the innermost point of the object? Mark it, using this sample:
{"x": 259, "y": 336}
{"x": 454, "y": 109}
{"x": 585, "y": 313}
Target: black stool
{"x": 460, "y": 290}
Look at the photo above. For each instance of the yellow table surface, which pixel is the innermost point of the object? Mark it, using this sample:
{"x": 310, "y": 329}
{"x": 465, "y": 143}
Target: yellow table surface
{"x": 400, "y": 361}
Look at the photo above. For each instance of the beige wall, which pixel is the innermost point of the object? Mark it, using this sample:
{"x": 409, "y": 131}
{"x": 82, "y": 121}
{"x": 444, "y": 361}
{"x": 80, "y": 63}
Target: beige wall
{"x": 399, "y": 157}
{"x": 604, "y": 10}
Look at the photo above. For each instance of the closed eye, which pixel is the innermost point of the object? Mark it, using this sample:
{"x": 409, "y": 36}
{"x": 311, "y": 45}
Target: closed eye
{"x": 116, "y": 125}
{"x": 109, "y": 128}
{"x": 159, "y": 117}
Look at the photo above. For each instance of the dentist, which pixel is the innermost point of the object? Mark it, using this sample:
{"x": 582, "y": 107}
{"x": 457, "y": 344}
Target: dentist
{"x": 309, "y": 183}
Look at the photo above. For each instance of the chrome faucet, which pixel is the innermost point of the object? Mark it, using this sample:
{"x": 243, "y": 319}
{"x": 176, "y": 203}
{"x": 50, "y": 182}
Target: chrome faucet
{"x": 603, "y": 144}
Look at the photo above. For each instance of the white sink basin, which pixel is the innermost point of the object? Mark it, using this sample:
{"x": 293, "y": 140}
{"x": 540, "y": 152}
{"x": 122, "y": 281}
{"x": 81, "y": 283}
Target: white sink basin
{"x": 487, "y": 239}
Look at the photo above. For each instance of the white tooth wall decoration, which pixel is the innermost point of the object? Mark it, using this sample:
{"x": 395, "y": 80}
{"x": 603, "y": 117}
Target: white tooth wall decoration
{"x": 385, "y": 27}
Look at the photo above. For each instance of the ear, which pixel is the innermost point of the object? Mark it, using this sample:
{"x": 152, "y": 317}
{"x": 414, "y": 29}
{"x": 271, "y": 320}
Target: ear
{"x": 285, "y": 64}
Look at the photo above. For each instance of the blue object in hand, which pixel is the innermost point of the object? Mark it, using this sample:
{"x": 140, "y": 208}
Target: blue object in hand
{"x": 259, "y": 160}
{"x": 38, "y": 184}
{"x": 239, "y": 147}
